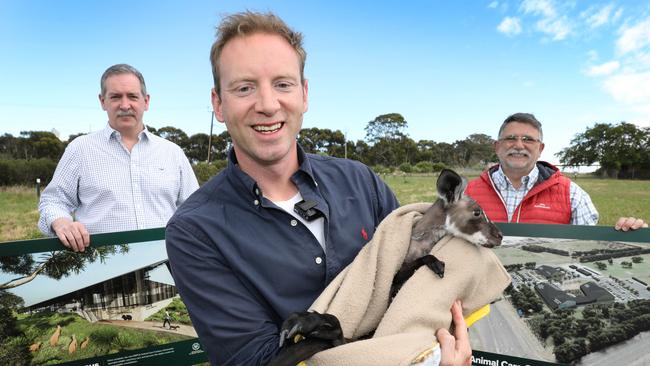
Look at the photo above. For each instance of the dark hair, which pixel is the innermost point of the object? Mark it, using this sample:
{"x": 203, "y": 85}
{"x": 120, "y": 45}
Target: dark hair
{"x": 122, "y": 69}
{"x": 247, "y": 23}
{"x": 527, "y": 118}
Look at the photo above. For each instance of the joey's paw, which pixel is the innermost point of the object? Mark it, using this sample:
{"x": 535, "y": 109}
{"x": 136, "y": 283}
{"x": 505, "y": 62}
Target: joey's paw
{"x": 311, "y": 325}
{"x": 435, "y": 264}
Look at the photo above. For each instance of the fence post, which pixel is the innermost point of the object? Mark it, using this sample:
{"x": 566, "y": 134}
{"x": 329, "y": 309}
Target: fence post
{"x": 38, "y": 188}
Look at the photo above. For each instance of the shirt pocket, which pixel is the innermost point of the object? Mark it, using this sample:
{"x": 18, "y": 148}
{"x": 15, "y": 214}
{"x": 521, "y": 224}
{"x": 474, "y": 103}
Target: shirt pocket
{"x": 161, "y": 180}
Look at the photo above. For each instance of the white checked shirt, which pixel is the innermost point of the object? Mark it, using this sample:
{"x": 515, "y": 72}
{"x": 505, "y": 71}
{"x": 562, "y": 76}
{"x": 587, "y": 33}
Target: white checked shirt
{"x": 102, "y": 185}
{"x": 583, "y": 211}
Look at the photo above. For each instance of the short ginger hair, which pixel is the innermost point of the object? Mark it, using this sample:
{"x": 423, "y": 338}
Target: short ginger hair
{"x": 247, "y": 23}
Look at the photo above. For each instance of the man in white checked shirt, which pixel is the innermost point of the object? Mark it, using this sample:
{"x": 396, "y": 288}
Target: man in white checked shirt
{"x": 523, "y": 189}
{"x": 120, "y": 178}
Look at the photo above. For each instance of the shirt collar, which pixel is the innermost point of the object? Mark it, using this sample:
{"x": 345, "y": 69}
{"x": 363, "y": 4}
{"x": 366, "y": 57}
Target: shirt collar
{"x": 503, "y": 182}
{"x": 109, "y": 132}
{"x": 304, "y": 168}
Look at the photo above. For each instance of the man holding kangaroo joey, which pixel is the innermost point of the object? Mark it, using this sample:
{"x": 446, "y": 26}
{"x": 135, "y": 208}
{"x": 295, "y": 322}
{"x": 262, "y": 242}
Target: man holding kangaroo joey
{"x": 241, "y": 257}
{"x": 522, "y": 188}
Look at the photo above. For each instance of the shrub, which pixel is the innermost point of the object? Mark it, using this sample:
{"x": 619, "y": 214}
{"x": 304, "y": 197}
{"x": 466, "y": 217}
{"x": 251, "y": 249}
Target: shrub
{"x": 205, "y": 171}
{"x": 380, "y": 169}
{"x": 406, "y": 168}
{"x": 13, "y": 344}
{"x": 436, "y": 167}
{"x": 15, "y": 351}
{"x": 424, "y": 167}
{"x": 104, "y": 337}
{"x": 25, "y": 172}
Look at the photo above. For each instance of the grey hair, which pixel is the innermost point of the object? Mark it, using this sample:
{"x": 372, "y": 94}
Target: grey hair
{"x": 527, "y": 118}
{"x": 122, "y": 69}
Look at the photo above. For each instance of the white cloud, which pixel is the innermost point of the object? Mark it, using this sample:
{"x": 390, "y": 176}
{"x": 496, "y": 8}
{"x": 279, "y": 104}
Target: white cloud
{"x": 634, "y": 38}
{"x": 493, "y": 5}
{"x": 510, "y": 26}
{"x": 596, "y": 18}
{"x": 642, "y": 60}
{"x": 592, "y": 55}
{"x": 558, "y": 28}
{"x": 617, "y": 15}
{"x": 550, "y": 22}
{"x": 630, "y": 87}
{"x": 604, "y": 69}
{"x": 539, "y": 7}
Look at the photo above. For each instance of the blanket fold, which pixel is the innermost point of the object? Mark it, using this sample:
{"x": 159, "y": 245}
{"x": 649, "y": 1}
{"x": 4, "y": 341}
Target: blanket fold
{"x": 359, "y": 295}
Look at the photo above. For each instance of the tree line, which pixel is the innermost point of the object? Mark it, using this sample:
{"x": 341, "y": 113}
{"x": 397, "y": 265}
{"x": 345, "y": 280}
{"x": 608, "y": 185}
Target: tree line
{"x": 386, "y": 147}
{"x": 622, "y": 150}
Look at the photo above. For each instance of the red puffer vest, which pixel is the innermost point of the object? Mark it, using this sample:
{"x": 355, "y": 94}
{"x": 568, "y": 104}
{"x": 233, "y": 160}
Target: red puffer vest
{"x": 548, "y": 202}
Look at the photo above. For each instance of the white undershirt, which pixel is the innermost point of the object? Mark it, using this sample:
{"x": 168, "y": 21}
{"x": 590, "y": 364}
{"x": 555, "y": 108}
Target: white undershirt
{"x": 315, "y": 226}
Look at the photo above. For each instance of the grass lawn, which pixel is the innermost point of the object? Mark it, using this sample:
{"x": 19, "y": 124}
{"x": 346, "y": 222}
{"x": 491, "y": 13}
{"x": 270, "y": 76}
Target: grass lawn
{"x": 615, "y": 198}
{"x": 638, "y": 270}
{"x": 18, "y": 213}
{"x": 612, "y": 198}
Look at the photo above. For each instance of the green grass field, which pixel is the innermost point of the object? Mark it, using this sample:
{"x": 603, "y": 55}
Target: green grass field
{"x": 613, "y": 198}
{"x": 18, "y": 213}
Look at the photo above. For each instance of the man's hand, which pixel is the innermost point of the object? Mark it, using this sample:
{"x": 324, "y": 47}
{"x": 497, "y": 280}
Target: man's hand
{"x": 455, "y": 350}
{"x": 630, "y": 223}
{"x": 72, "y": 234}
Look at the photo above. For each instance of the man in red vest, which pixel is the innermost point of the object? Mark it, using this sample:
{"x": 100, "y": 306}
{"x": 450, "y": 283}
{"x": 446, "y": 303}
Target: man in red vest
{"x": 522, "y": 189}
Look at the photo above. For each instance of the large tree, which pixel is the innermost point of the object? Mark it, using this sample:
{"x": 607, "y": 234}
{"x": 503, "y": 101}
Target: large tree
{"x": 389, "y": 126}
{"x": 322, "y": 140}
{"x": 476, "y": 148}
{"x": 622, "y": 149}
{"x": 173, "y": 134}
{"x": 197, "y": 147}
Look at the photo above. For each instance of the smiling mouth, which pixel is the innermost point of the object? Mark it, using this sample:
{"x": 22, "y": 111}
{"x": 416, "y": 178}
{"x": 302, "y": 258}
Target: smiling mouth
{"x": 268, "y": 129}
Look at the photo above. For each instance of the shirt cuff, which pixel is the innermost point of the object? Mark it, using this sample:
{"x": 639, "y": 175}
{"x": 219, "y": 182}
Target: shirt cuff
{"x": 48, "y": 217}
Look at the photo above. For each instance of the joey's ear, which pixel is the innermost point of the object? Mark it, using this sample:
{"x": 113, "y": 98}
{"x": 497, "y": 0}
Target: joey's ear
{"x": 450, "y": 186}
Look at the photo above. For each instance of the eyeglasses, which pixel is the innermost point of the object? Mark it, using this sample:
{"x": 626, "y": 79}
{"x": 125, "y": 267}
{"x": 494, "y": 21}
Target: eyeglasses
{"x": 526, "y": 140}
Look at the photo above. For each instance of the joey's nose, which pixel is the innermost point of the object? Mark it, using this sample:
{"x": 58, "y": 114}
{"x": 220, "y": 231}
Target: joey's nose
{"x": 498, "y": 237}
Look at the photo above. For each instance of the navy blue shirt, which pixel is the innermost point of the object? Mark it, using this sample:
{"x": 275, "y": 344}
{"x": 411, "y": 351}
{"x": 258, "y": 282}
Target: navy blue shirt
{"x": 242, "y": 265}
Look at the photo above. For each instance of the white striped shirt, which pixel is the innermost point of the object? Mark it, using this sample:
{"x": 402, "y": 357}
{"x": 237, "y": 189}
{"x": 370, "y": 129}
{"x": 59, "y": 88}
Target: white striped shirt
{"x": 583, "y": 211}
{"x": 99, "y": 183}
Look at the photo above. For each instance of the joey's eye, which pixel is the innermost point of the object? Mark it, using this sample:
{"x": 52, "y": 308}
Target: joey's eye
{"x": 477, "y": 213}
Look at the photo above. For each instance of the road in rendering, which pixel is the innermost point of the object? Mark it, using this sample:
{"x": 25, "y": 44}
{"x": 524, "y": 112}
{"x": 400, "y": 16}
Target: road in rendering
{"x": 503, "y": 332}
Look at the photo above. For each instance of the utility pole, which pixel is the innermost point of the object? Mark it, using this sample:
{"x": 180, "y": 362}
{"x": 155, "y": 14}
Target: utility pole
{"x": 210, "y": 137}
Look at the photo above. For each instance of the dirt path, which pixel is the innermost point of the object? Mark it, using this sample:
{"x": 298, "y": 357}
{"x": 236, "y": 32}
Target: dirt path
{"x": 157, "y": 326}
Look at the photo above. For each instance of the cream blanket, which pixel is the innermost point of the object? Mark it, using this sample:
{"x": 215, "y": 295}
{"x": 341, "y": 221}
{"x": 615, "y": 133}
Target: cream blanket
{"x": 359, "y": 295}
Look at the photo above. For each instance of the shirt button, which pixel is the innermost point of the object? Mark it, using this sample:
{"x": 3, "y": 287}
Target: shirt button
{"x": 256, "y": 202}
{"x": 318, "y": 260}
{"x": 257, "y": 191}
{"x": 294, "y": 222}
